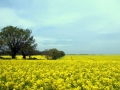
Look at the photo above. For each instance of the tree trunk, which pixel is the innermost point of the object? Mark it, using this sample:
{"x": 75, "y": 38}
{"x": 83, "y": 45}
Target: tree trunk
{"x": 29, "y": 56}
{"x": 24, "y": 56}
{"x": 13, "y": 55}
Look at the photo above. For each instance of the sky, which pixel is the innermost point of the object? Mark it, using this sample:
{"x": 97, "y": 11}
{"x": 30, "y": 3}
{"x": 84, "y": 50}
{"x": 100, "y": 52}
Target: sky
{"x": 73, "y": 26}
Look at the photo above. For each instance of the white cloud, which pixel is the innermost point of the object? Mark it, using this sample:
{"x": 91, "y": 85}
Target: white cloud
{"x": 61, "y": 19}
{"x": 40, "y": 39}
{"x": 67, "y": 40}
{"x": 47, "y": 43}
{"x": 109, "y": 10}
{"x": 63, "y": 12}
{"x": 9, "y": 17}
{"x": 44, "y": 39}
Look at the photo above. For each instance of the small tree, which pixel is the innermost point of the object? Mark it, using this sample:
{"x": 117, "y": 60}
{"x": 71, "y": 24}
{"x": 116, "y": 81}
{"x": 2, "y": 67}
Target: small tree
{"x": 53, "y": 53}
{"x": 15, "y": 39}
{"x": 61, "y": 53}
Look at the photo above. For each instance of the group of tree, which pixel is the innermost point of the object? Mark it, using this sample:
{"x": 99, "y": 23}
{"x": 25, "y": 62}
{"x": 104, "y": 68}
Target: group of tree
{"x": 53, "y": 54}
{"x": 14, "y": 40}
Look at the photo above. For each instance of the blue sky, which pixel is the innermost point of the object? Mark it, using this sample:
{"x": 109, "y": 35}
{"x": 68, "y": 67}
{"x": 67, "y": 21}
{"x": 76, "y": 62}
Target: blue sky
{"x": 74, "y": 26}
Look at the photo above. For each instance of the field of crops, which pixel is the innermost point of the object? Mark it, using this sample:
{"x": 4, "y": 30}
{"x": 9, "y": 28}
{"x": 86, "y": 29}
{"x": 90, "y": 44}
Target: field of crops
{"x": 72, "y": 72}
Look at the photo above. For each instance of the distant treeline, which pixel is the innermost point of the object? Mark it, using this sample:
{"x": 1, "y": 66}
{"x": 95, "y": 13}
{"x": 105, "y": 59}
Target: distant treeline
{"x": 84, "y": 54}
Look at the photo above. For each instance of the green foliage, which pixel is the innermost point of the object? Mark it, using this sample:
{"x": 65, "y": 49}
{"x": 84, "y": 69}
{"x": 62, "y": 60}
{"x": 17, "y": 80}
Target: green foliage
{"x": 53, "y": 54}
{"x": 14, "y": 40}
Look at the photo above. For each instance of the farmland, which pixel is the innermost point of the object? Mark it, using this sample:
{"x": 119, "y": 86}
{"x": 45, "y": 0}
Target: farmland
{"x": 71, "y": 72}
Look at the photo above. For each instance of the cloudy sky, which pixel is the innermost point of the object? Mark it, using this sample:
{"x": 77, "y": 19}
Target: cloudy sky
{"x": 74, "y": 26}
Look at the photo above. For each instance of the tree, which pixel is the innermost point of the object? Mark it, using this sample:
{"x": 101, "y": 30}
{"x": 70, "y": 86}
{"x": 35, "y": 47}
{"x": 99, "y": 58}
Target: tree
{"x": 53, "y": 54}
{"x": 28, "y": 49}
{"x": 62, "y": 53}
{"x": 15, "y": 39}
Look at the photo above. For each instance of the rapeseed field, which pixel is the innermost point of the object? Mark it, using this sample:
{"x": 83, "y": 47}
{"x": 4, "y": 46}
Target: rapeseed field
{"x": 72, "y": 72}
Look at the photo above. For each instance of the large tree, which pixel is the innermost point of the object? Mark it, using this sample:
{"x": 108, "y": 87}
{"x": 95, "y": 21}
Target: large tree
{"x": 15, "y": 39}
